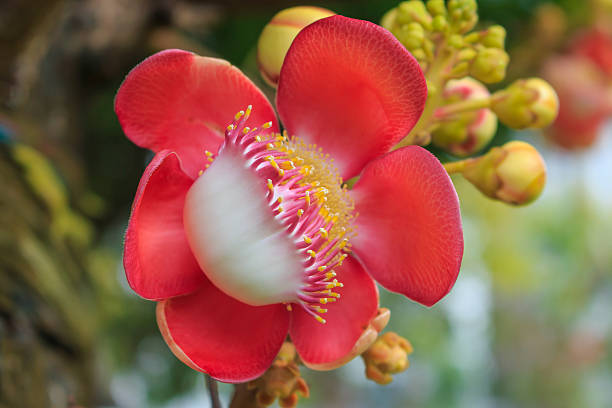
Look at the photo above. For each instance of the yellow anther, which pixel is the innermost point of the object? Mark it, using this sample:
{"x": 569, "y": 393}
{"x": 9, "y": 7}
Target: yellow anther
{"x": 331, "y": 300}
{"x": 280, "y": 209}
{"x": 207, "y": 153}
{"x": 321, "y": 268}
{"x": 246, "y": 130}
{"x": 210, "y": 159}
{"x": 239, "y": 115}
{"x": 270, "y": 185}
{"x": 289, "y": 308}
{"x": 320, "y": 319}
{"x": 248, "y": 111}
{"x": 323, "y": 301}
{"x": 287, "y": 165}
{"x": 279, "y": 200}
{"x": 307, "y": 197}
{"x": 258, "y": 138}
{"x": 343, "y": 243}
{"x": 300, "y": 212}
{"x": 270, "y": 146}
{"x": 307, "y": 240}
{"x": 334, "y": 294}
{"x": 312, "y": 253}
{"x": 323, "y": 232}
{"x": 267, "y": 125}
{"x": 230, "y": 127}
{"x": 330, "y": 275}
{"x": 207, "y": 165}
{"x": 200, "y": 172}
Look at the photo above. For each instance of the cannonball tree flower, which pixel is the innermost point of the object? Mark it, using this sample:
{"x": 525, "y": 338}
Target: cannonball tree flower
{"x": 242, "y": 234}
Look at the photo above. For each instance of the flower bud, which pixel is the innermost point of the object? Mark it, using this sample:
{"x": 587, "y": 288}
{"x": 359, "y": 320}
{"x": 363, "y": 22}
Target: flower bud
{"x": 465, "y": 133}
{"x": 490, "y": 64}
{"x": 436, "y": 7}
{"x": 526, "y": 103}
{"x": 413, "y": 11}
{"x": 282, "y": 380}
{"x": 278, "y": 34}
{"x": 514, "y": 173}
{"x": 387, "y": 356}
{"x": 464, "y": 14}
{"x": 494, "y": 37}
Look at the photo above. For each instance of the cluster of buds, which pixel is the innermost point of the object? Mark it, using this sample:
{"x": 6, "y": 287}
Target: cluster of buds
{"x": 439, "y": 37}
{"x": 387, "y": 356}
{"x": 282, "y": 381}
{"x": 461, "y": 115}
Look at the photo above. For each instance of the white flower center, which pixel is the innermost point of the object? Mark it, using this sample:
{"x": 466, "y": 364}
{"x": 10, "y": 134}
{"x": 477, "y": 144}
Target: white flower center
{"x": 235, "y": 238}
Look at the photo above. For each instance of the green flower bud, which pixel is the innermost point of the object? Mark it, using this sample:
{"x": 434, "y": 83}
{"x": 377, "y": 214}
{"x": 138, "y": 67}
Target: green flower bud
{"x": 389, "y": 20}
{"x": 464, "y": 14}
{"x": 411, "y": 35}
{"x": 490, "y": 64}
{"x": 439, "y": 24}
{"x": 514, "y": 173}
{"x": 465, "y": 133}
{"x": 436, "y": 8}
{"x": 494, "y": 37}
{"x": 455, "y": 41}
{"x": 526, "y": 103}
{"x": 278, "y": 34}
{"x": 413, "y": 11}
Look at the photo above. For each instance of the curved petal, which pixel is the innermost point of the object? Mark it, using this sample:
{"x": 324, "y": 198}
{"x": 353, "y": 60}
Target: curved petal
{"x": 351, "y": 88}
{"x": 216, "y": 334}
{"x": 180, "y": 101}
{"x": 321, "y": 344}
{"x": 410, "y": 237}
{"x": 157, "y": 259}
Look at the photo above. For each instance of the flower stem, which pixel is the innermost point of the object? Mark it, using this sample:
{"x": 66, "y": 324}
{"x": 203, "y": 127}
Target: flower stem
{"x": 460, "y": 107}
{"x": 213, "y": 391}
{"x": 455, "y": 167}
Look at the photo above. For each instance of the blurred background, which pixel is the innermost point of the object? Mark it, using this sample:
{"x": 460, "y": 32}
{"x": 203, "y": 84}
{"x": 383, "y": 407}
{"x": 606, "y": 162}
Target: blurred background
{"x": 528, "y": 324}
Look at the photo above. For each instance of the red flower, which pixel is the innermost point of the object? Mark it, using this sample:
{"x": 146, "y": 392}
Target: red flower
{"x": 251, "y": 249}
{"x": 585, "y": 101}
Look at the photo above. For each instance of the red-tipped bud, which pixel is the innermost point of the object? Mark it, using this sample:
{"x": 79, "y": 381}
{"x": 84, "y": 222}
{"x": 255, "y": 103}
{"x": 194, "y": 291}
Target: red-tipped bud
{"x": 465, "y": 133}
{"x": 278, "y": 34}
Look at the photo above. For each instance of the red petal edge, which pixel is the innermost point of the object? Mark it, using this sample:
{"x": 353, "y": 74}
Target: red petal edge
{"x": 216, "y": 334}
{"x": 319, "y": 344}
{"x": 351, "y": 88}
{"x": 410, "y": 237}
{"x": 157, "y": 259}
{"x": 180, "y": 101}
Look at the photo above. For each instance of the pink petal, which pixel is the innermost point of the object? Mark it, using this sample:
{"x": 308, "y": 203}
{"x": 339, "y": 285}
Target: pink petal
{"x": 157, "y": 259}
{"x": 410, "y": 237}
{"x": 179, "y": 101}
{"x": 319, "y": 344}
{"x": 351, "y": 88}
{"x": 216, "y": 334}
